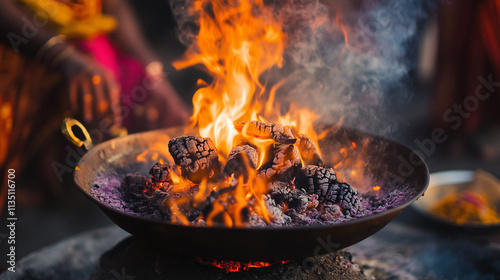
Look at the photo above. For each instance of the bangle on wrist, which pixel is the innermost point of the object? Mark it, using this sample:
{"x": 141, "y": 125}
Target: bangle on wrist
{"x": 61, "y": 57}
{"x": 58, "y": 39}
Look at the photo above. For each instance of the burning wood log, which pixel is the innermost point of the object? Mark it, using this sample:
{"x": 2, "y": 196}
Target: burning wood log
{"x": 316, "y": 179}
{"x": 161, "y": 177}
{"x": 196, "y": 156}
{"x": 296, "y": 199}
{"x": 277, "y": 132}
{"x": 284, "y": 164}
{"x": 348, "y": 199}
{"x": 225, "y": 205}
{"x": 240, "y": 160}
{"x": 323, "y": 182}
{"x": 308, "y": 151}
{"x": 160, "y": 173}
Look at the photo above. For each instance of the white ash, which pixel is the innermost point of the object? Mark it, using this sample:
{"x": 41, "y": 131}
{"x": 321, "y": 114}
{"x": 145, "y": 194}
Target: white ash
{"x": 331, "y": 212}
{"x": 275, "y": 211}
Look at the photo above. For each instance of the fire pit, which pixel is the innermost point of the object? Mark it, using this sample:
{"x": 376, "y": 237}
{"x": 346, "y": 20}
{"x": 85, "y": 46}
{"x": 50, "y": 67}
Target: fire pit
{"x": 384, "y": 165}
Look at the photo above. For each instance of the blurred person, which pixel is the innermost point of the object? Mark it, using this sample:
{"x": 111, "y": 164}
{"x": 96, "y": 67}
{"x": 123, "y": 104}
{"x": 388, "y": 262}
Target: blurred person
{"x": 467, "y": 77}
{"x": 80, "y": 58}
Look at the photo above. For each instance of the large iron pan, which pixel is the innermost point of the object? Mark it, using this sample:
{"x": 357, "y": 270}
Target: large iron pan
{"x": 388, "y": 164}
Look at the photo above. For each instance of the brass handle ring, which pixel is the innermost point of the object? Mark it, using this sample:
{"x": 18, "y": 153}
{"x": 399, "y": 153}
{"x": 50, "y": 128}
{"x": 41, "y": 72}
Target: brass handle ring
{"x": 67, "y": 129}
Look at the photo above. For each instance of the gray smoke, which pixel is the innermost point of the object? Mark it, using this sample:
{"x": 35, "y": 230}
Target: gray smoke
{"x": 362, "y": 80}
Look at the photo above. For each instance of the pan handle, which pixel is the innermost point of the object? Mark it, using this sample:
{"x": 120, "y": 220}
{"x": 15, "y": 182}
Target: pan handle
{"x": 67, "y": 129}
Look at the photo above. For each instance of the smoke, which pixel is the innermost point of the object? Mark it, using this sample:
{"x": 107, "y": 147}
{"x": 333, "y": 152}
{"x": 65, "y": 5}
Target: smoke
{"x": 362, "y": 76}
{"x": 344, "y": 59}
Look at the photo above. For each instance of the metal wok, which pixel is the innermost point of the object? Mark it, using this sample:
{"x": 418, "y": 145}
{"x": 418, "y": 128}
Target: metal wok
{"x": 386, "y": 163}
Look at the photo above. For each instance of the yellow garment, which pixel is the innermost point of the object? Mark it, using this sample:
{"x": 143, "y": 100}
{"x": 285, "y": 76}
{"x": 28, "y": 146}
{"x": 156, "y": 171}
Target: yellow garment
{"x": 74, "y": 18}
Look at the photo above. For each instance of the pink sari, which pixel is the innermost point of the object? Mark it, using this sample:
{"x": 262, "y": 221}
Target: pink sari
{"x": 129, "y": 72}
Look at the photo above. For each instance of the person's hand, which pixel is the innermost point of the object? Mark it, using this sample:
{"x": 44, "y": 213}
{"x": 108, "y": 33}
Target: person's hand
{"x": 93, "y": 91}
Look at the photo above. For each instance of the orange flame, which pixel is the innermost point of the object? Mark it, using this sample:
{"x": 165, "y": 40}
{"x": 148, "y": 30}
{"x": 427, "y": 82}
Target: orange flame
{"x": 177, "y": 216}
{"x": 231, "y": 214}
{"x": 182, "y": 184}
{"x": 237, "y": 42}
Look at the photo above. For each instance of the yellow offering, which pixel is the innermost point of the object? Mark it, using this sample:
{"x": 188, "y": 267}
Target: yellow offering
{"x": 466, "y": 208}
{"x": 470, "y": 206}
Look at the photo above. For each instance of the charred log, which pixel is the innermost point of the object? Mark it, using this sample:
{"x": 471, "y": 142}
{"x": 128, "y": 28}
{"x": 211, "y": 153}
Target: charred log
{"x": 161, "y": 176}
{"x": 296, "y": 199}
{"x": 196, "y": 156}
{"x": 160, "y": 173}
{"x": 224, "y": 188}
{"x": 348, "y": 199}
{"x": 283, "y": 165}
{"x": 316, "y": 180}
{"x": 224, "y": 198}
{"x": 308, "y": 151}
{"x": 240, "y": 161}
{"x": 323, "y": 182}
{"x": 277, "y": 132}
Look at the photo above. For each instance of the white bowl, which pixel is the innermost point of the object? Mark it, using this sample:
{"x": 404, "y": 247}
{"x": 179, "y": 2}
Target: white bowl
{"x": 446, "y": 182}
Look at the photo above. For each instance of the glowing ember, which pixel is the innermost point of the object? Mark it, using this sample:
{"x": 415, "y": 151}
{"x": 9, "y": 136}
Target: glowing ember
{"x": 232, "y": 266}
